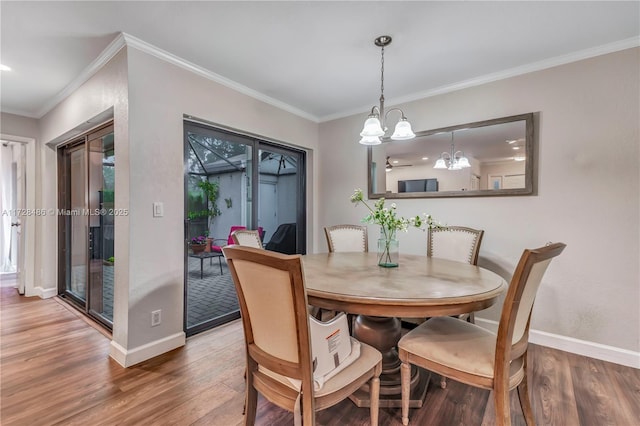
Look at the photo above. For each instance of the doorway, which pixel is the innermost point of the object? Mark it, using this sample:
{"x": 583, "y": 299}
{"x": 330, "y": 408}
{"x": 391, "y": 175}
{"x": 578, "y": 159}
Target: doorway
{"x": 12, "y": 169}
{"x": 235, "y": 180}
{"x": 86, "y": 223}
{"x": 17, "y": 202}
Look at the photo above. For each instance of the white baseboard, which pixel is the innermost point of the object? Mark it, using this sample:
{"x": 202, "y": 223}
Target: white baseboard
{"x": 581, "y": 347}
{"x": 127, "y": 358}
{"x": 44, "y": 293}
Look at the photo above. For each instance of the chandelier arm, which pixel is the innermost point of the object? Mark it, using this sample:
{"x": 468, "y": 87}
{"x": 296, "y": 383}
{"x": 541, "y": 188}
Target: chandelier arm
{"x": 402, "y": 117}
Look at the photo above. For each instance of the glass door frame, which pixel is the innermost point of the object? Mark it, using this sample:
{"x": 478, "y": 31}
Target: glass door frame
{"x": 256, "y": 143}
{"x": 301, "y": 217}
{"x": 64, "y": 236}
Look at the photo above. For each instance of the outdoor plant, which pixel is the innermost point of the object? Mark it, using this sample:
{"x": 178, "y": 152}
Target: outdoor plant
{"x": 199, "y": 240}
{"x": 212, "y": 191}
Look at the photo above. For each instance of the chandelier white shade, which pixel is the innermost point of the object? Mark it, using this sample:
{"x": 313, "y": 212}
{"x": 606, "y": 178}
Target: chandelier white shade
{"x": 403, "y": 131}
{"x": 374, "y": 127}
{"x": 453, "y": 160}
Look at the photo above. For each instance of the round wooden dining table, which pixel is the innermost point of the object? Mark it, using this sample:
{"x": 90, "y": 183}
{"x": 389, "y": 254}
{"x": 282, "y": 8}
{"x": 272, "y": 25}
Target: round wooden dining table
{"x": 419, "y": 287}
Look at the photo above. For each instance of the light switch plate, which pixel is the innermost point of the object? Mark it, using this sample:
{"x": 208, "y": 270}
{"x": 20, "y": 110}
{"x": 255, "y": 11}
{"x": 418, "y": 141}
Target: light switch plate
{"x": 158, "y": 209}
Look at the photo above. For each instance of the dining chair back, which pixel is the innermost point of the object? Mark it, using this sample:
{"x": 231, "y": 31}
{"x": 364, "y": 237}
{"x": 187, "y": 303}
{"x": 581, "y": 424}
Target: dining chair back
{"x": 217, "y": 247}
{"x": 228, "y": 241}
{"x": 247, "y": 237}
{"x": 347, "y": 238}
{"x": 273, "y": 305}
{"x": 473, "y": 355}
{"x": 457, "y": 243}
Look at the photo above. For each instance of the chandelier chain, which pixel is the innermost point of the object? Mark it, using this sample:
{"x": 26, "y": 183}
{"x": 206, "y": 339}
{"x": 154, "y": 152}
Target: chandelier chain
{"x": 382, "y": 75}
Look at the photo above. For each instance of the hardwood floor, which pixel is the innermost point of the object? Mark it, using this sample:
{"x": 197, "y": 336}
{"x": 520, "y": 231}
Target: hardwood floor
{"x": 55, "y": 369}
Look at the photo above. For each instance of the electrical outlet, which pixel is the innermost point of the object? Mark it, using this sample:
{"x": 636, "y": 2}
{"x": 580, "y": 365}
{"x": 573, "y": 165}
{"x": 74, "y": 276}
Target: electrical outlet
{"x": 156, "y": 317}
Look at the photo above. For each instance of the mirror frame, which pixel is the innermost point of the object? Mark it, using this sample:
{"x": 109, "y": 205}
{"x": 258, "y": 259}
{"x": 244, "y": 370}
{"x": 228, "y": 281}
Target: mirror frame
{"x": 530, "y": 164}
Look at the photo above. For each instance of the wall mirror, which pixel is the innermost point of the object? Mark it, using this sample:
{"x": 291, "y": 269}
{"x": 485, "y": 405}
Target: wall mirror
{"x": 485, "y": 158}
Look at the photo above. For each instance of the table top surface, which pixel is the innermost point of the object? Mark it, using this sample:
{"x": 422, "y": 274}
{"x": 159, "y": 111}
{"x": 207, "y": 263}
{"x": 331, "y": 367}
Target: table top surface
{"x": 420, "y": 286}
{"x": 205, "y": 254}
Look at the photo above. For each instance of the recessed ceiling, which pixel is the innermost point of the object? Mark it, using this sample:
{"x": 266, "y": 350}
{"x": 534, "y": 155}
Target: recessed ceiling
{"x": 316, "y": 57}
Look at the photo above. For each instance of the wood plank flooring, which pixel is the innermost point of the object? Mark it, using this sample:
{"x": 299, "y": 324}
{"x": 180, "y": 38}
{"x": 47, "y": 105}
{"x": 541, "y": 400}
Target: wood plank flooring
{"x": 55, "y": 370}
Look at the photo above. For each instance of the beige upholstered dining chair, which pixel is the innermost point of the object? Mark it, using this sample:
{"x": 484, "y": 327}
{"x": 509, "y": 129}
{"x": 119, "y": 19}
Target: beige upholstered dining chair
{"x": 470, "y": 354}
{"x": 457, "y": 243}
{"x": 345, "y": 238}
{"x": 247, "y": 237}
{"x": 273, "y": 305}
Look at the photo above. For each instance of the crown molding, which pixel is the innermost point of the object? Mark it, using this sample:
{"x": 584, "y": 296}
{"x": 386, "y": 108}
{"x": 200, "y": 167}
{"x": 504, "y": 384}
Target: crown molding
{"x": 105, "y": 56}
{"x": 20, "y": 112}
{"x": 196, "y": 69}
{"x": 124, "y": 39}
{"x": 501, "y": 75}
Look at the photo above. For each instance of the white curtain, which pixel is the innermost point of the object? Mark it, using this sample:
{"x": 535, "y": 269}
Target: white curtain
{"x": 6, "y": 205}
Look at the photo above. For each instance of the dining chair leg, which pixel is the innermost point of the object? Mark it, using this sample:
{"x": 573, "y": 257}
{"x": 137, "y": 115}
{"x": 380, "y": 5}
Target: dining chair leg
{"x": 501, "y": 399}
{"x": 523, "y": 396}
{"x": 251, "y": 400}
{"x": 405, "y": 379}
{"x": 374, "y": 397}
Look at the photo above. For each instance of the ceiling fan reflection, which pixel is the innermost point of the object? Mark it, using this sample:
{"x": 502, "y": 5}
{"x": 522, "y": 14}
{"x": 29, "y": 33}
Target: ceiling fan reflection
{"x": 388, "y": 166}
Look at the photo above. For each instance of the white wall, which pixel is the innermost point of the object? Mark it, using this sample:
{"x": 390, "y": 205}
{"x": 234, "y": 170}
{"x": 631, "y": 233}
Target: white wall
{"x": 287, "y": 196}
{"x": 448, "y": 180}
{"x": 148, "y": 116}
{"x": 107, "y": 89}
{"x": 159, "y": 95}
{"x": 230, "y": 187}
{"x": 17, "y": 125}
{"x": 505, "y": 168}
{"x": 588, "y": 191}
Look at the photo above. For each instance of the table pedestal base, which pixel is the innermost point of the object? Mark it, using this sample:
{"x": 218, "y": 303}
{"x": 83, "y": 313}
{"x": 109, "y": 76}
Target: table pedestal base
{"x": 383, "y": 334}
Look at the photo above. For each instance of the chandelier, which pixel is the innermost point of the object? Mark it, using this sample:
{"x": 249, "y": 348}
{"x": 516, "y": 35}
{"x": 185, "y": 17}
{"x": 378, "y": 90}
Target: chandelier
{"x": 374, "y": 127}
{"x": 453, "y": 160}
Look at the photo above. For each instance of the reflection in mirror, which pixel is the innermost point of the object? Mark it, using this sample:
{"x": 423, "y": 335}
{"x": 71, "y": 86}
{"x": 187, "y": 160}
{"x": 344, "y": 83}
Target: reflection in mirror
{"x": 493, "y": 157}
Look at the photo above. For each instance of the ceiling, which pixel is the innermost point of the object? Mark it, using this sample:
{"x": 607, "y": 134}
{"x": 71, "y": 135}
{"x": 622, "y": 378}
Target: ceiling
{"x": 316, "y": 58}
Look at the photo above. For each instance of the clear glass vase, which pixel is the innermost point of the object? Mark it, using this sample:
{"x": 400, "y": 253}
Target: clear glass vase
{"x": 387, "y": 248}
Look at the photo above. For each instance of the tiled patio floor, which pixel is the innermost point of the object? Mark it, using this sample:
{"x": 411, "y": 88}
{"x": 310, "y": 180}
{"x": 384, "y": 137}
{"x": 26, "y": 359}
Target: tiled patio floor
{"x": 210, "y": 297}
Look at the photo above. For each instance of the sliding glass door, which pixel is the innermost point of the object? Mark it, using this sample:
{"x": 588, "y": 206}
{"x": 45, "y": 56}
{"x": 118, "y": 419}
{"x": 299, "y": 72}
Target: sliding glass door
{"x": 280, "y": 200}
{"x": 86, "y": 223}
{"x": 234, "y": 180}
